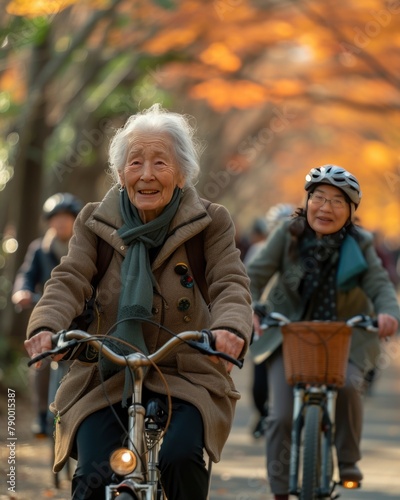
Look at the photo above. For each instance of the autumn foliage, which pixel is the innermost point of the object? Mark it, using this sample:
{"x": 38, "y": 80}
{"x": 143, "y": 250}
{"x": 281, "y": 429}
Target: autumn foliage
{"x": 276, "y": 87}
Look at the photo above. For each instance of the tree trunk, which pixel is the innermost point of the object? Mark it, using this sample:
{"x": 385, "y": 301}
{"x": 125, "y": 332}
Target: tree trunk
{"x": 24, "y": 209}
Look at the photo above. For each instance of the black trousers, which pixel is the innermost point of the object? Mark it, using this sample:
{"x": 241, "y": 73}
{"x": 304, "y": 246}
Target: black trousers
{"x": 260, "y": 389}
{"x": 183, "y": 471}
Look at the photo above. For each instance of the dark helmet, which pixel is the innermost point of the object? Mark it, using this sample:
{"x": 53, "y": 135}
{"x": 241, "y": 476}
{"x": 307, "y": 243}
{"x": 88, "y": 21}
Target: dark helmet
{"x": 61, "y": 202}
{"x": 335, "y": 176}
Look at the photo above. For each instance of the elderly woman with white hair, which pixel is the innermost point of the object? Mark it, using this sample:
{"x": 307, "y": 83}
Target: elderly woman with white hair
{"x": 147, "y": 218}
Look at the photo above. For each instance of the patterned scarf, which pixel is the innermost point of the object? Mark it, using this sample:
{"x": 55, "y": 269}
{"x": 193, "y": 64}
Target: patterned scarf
{"x": 319, "y": 258}
{"x": 137, "y": 280}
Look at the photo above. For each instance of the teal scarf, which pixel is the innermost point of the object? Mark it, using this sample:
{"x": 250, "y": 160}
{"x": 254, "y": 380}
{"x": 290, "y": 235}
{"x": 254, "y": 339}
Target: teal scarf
{"x": 137, "y": 280}
{"x": 352, "y": 264}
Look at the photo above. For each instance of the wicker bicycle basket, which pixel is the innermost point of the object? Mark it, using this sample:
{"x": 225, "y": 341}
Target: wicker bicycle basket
{"x": 316, "y": 352}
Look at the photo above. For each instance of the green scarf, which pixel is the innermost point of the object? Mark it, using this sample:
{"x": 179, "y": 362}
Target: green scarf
{"x": 137, "y": 280}
{"x": 352, "y": 264}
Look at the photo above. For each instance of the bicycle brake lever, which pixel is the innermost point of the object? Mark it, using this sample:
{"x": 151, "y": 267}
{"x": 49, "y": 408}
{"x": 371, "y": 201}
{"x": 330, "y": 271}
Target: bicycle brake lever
{"x": 207, "y": 349}
{"x": 363, "y": 321}
{"x": 57, "y": 350}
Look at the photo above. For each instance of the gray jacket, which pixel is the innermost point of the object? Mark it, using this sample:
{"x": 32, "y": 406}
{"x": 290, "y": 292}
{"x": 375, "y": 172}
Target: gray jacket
{"x": 371, "y": 294}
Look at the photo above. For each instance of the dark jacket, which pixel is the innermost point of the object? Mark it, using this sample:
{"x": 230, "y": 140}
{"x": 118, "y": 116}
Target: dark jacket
{"x": 40, "y": 259}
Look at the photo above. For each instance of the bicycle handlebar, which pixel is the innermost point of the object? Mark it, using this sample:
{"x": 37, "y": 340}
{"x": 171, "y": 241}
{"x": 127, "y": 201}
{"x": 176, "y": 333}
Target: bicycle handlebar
{"x": 360, "y": 320}
{"x": 202, "y": 341}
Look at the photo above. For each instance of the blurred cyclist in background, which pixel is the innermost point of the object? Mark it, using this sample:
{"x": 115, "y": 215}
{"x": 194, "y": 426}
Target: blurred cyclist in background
{"x": 43, "y": 254}
{"x": 275, "y": 215}
{"x": 256, "y": 234}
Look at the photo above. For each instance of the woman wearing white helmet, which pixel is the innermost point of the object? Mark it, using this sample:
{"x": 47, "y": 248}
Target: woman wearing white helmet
{"x": 321, "y": 254}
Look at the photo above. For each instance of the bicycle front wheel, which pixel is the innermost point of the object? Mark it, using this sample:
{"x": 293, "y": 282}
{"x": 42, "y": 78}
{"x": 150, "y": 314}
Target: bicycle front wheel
{"x": 311, "y": 453}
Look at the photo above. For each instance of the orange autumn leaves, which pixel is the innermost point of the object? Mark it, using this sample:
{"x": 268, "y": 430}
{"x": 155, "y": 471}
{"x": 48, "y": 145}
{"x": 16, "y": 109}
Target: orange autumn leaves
{"x": 38, "y": 8}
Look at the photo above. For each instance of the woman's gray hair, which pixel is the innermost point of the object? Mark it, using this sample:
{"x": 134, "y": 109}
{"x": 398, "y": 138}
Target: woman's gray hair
{"x": 156, "y": 119}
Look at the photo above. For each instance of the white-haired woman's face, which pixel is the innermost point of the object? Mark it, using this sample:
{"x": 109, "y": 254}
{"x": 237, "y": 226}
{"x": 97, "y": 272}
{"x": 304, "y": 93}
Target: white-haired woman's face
{"x": 151, "y": 173}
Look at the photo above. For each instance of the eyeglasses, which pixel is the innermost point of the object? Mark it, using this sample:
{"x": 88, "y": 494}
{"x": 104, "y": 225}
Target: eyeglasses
{"x": 319, "y": 201}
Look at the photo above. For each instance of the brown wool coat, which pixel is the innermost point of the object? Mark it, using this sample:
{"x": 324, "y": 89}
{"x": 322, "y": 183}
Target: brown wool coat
{"x": 190, "y": 376}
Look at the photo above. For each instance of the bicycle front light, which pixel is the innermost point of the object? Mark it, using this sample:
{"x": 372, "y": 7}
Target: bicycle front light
{"x": 350, "y": 485}
{"x": 123, "y": 461}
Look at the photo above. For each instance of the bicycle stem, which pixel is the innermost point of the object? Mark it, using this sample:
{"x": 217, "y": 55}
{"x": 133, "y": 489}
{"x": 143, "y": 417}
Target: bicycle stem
{"x": 136, "y": 414}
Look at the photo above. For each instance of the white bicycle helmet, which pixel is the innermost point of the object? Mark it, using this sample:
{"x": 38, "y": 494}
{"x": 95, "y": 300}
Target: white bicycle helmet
{"x": 277, "y": 213}
{"x": 336, "y": 176}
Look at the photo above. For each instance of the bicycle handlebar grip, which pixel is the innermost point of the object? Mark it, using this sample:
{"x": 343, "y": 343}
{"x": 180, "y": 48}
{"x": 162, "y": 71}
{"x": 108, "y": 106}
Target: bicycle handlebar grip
{"x": 222, "y": 355}
{"x": 37, "y": 358}
{"x": 56, "y": 337}
{"x": 364, "y": 321}
{"x": 56, "y": 348}
{"x": 209, "y": 349}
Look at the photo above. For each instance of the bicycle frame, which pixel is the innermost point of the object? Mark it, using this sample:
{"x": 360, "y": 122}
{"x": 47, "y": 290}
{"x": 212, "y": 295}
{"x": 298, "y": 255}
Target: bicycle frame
{"x": 313, "y": 429}
{"x": 135, "y": 467}
{"x": 143, "y": 481}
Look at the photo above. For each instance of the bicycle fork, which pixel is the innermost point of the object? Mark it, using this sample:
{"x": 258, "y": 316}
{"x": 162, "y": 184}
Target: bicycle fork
{"x": 326, "y": 399}
{"x": 139, "y": 482}
{"x": 297, "y": 424}
{"x": 328, "y": 439}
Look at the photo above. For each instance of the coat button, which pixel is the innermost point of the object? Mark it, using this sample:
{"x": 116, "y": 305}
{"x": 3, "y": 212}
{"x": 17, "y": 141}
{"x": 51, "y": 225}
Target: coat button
{"x": 186, "y": 319}
{"x": 122, "y": 247}
{"x": 154, "y": 310}
{"x": 183, "y": 304}
{"x": 187, "y": 281}
{"x": 181, "y": 268}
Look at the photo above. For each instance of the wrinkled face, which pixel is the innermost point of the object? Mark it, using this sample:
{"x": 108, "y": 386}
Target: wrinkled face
{"x": 325, "y": 217}
{"x": 151, "y": 173}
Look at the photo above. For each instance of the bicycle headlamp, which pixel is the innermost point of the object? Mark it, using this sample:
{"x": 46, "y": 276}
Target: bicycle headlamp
{"x": 350, "y": 485}
{"x": 123, "y": 461}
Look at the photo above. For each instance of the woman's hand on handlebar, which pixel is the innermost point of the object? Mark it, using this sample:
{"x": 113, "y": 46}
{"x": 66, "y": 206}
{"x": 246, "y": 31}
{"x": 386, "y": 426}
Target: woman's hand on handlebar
{"x": 229, "y": 343}
{"x": 39, "y": 343}
{"x": 387, "y": 325}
